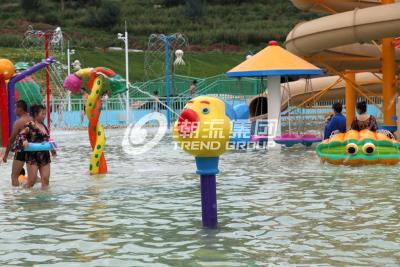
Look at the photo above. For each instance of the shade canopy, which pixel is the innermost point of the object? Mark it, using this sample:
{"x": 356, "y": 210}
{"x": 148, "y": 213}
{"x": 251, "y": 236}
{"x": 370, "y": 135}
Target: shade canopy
{"x": 274, "y": 61}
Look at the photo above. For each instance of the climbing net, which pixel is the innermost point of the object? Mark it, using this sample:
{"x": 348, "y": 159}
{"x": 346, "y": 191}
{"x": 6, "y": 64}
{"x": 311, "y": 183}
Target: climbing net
{"x": 178, "y": 64}
{"x": 34, "y": 44}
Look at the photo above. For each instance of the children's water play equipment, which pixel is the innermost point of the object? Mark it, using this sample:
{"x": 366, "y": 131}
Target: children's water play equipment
{"x": 18, "y": 77}
{"x": 360, "y": 148}
{"x": 101, "y": 81}
{"x": 7, "y": 70}
{"x": 28, "y": 90}
{"x": 342, "y": 43}
{"x": 51, "y": 42}
{"x": 203, "y": 130}
{"x": 274, "y": 62}
{"x": 8, "y": 82}
{"x": 165, "y": 45}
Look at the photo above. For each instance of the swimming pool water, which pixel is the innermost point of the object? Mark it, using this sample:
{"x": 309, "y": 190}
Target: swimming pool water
{"x": 278, "y": 207}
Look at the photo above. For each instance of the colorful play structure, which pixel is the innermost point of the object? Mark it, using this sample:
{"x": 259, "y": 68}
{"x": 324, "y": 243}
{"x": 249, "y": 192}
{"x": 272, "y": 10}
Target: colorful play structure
{"x": 274, "y": 62}
{"x": 7, "y": 70}
{"x": 27, "y": 89}
{"x": 344, "y": 45}
{"x": 9, "y": 93}
{"x": 9, "y": 80}
{"x": 101, "y": 81}
{"x": 203, "y": 129}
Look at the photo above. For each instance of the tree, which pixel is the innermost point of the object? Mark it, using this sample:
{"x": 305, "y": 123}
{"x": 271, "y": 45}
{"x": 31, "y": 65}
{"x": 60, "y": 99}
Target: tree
{"x": 194, "y": 9}
{"x": 109, "y": 14}
{"x": 170, "y": 3}
{"x": 82, "y": 3}
{"x": 30, "y": 5}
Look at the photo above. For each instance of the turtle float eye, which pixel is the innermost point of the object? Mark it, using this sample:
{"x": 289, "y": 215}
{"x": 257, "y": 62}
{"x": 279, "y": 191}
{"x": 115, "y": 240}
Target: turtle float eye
{"x": 205, "y": 110}
{"x": 351, "y": 149}
{"x": 368, "y": 148}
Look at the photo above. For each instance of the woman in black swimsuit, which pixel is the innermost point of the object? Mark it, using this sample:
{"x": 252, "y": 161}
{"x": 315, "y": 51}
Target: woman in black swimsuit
{"x": 36, "y": 132}
{"x": 363, "y": 120}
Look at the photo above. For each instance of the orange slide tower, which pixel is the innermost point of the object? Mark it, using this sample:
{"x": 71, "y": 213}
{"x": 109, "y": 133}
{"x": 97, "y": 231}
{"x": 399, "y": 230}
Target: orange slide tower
{"x": 354, "y": 43}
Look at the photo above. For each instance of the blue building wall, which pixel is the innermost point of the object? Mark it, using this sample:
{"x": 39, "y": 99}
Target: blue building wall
{"x": 73, "y": 119}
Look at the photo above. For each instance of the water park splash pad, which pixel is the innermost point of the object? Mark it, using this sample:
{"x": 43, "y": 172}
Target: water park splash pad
{"x": 279, "y": 201}
{"x": 203, "y": 129}
{"x": 278, "y": 206}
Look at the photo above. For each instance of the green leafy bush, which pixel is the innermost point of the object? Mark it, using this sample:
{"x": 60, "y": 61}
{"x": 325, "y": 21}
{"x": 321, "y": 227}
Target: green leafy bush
{"x": 10, "y": 40}
{"x": 30, "y": 5}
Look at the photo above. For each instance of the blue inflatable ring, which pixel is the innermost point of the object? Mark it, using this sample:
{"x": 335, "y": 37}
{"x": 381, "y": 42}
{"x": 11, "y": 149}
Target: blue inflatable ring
{"x": 45, "y": 146}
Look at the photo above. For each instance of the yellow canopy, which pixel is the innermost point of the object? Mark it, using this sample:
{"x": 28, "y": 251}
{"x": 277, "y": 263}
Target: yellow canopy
{"x": 273, "y": 61}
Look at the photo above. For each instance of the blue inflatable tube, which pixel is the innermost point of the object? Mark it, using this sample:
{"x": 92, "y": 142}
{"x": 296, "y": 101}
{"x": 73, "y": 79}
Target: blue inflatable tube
{"x": 45, "y": 146}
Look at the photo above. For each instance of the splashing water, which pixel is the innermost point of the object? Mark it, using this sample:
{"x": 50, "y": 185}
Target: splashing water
{"x": 130, "y": 85}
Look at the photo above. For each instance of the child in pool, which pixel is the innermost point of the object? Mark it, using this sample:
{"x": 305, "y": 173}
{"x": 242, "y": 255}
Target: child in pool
{"x": 336, "y": 122}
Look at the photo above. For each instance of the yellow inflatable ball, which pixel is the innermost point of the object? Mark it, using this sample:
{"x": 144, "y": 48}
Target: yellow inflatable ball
{"x": 7, "y": 69}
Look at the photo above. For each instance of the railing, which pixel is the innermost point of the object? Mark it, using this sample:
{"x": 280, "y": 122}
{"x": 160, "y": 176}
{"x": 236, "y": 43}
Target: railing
{"x": 138, "y": 103}
{"x": 220, "y": 84}
{"x": 177, "y": 103}
{"x": 180, "y": 86}
{"x": 299, "y": 119}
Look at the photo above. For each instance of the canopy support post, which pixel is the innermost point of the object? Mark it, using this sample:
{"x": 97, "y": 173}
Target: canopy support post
{"x": 274, "y": 106}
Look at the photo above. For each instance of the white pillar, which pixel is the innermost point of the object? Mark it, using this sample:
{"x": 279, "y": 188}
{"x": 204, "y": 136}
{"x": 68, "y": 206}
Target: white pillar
{"x": 69, "y": 72}
{"x": 127, "y": 74}
{"x": 274, "y": 104}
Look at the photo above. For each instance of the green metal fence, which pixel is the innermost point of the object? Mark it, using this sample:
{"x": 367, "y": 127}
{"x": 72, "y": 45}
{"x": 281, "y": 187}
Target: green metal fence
{"x": 219, "y": 84}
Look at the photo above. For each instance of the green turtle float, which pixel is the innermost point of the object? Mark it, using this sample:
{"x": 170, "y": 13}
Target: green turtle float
{"x": 359, "y": 148}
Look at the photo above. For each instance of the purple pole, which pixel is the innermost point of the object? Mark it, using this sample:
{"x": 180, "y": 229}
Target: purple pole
{"x": 11, "y": 88}
{"x": 209, "y": 200}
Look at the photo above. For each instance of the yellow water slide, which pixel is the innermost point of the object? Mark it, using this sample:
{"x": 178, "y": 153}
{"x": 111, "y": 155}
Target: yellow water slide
{"x": 347, "y": 42}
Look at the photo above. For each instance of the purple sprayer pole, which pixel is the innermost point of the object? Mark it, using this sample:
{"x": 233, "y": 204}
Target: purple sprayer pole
{"x": 207, "y": 167}
{"x": 209, "y": 200}
{"x": 11, "y": 88}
